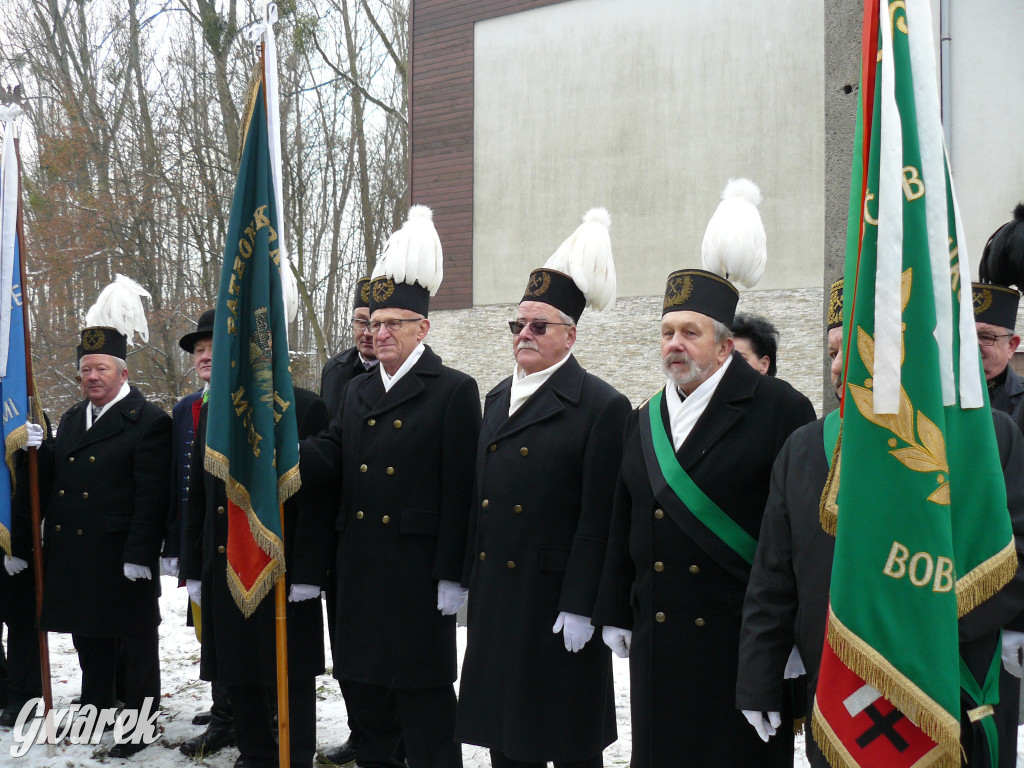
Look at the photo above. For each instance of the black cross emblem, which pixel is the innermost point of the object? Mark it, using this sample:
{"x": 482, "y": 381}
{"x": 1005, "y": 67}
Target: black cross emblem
{"x": 882, "y": 725}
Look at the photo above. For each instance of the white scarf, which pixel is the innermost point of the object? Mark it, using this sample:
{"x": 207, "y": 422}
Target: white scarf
{"x": 525, "y": 384}
{"x": 683, "y": 414}
{"x": 410, "y": 361}
{"x": 121, "y": 395}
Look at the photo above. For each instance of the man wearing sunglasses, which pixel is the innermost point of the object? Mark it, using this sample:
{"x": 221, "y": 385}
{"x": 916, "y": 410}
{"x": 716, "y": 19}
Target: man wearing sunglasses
{"x": 401, "y": 447}
{"x": 534, "y": 687}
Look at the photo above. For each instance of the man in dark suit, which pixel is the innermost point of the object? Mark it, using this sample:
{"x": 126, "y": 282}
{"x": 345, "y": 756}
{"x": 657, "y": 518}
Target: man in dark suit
{"x": 533, "y": 688}
{"x": 338, "y": 372}
{"x": 695, "y": 471}
{"x": 104, "y": 525}
{"x": 239, "y": 653}
{"x": 402, "y": 446}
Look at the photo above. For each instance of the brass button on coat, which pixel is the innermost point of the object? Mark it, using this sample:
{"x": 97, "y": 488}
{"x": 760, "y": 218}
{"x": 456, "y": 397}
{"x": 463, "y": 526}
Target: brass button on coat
{"x": 362, "y": 467}
{"x": 359, "y": 515}
{"x": 372, "y": 422}
{"x": 71, "y": 459}
{"x": 57, "y": 528}
{"x": 517, "y": 508}
{"x": 483, "y": 555}
{"x": 60, "y": 492}
{"x": 398, "y": 423}
{"x": 85, "y": 494}
{"x": 659, "y": 617}
{"x": 699, "y": 622}
{"x": 524, "y": 451}
{"x": 659, "y": 514}
{"x": 659, "y": 567}
{"x": 220, "y": 510}
{"x": 79, "y": 531}
{"x": 694, "y": 569}
{"x": 221, "y": 549}
{"x": 92, "y": 459}
{"x": 390, "y": 470}
{"x": 485, "y": 503}
{"x": 386, "y": 519}
{"x": 511, "y": 563}
{"x": 493, "y": 447}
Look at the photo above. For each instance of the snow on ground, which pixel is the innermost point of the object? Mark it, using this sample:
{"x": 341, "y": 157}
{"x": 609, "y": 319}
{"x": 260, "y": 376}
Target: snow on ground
{"x": 184, "y": 695}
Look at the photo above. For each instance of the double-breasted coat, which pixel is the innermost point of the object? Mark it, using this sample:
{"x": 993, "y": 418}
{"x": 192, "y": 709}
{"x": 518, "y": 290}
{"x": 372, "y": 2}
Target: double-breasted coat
{"x": 337, "y": 372}
{"x": 1008, "y": 396}
{"x": 107, "y": 507}
{"x": 545, "y": 478}
{"x": 238, "y": 650}
{"x": 183, "y": 435}
{"x": 683, "y": 604}
{"x": 404, "y": 459}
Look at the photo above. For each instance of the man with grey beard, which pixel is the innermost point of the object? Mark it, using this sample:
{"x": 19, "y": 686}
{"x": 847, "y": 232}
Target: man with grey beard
{"x": 696, "y": 465}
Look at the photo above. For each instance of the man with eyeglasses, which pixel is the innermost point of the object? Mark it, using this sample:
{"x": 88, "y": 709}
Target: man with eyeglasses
{"x": 338, "y": 372}
{"x": 534, "y": 687}
{"x": 401, "y": 447}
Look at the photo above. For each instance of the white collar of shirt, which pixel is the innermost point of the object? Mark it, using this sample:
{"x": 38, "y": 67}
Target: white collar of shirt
{"x": 367, "y": 364}
{"x": 125, "y": 389}
{"x": 525, "y": 384}
{"x": 410, "y": 361}
{"x": 683, "y": 414}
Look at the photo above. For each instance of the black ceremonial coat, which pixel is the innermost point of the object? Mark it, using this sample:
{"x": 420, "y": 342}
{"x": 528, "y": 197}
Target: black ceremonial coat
{"x": 787, "y": 596}
{"x": 545, "y": 478}
{"x": 339, "y": 371}
{"x": 108, "y": 507}
{"x": 236, "y": 650}
{"x": 682, "y": 604}
{"x": 405, "y": 463}
{"x": 1008, "y": 396}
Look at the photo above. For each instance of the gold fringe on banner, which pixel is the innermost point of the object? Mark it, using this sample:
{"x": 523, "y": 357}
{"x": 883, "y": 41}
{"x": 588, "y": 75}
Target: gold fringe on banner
{"x": 839, "y": 757}
{"x": 987, "y": 578}
{"x": 875, "y": 670}
{"x": 829, "y": 507}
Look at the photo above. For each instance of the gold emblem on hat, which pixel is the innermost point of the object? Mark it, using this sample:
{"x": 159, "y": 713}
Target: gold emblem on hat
{"x": 364, "y": 292}
{"x": 835, "y": 304}
{"x": 678, "y": 290}
{"x": 382, "y": 288}
{"x": 982, "y": 300}
{"x": 539, "y": 284}
{"x": 93, "y": 339}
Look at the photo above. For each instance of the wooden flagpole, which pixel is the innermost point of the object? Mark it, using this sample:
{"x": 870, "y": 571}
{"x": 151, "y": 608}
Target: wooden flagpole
{"x": 33, "y": 467}
{"x": 281, "y": 628}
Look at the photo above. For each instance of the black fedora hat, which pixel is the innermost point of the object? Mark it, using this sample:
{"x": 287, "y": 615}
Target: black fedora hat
{"x": 204, "y": 330}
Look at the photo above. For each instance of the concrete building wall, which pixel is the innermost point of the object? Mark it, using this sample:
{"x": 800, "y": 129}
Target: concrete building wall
{"x": 647, "y": 108}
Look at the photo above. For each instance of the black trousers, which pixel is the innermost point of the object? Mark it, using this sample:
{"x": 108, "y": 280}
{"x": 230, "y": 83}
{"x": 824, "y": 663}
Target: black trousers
{"x": 254, "y": 707}
{"x": 422, "y": 720}
{"x": 498, "y": 760}
{"x": 23, "y": 680}
{"x": 98, "y": 658}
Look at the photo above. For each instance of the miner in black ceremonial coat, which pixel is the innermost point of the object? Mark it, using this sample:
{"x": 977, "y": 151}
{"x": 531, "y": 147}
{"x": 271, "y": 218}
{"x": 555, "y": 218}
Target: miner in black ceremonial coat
{"x": 337, "y": 373}
{"x": 534, "y": 688}
{"x": 240, "y": 653}
{"x": 691, "y": 492}
{"x": 105, "y": 525}
{"x": 401, "y": 446}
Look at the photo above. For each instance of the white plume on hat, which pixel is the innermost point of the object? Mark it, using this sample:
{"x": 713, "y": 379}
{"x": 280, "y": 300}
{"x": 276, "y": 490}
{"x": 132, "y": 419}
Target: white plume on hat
{"x": 734, "y": 241}
{"x": 413, "y": 253}
{"x": 586, "y": 256}
{"x": 119, "y": 306}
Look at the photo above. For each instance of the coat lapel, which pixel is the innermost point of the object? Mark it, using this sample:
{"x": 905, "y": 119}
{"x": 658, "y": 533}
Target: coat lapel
{"x": 724, "y": 409}
{"x": 376, "y": 401}
{"x": 565, "y": 385}
{"x": 111, "y": 422}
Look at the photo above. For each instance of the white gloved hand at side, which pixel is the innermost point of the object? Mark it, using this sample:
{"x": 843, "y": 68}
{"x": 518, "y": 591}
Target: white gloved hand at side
{"x": 1013, "y": 644}
{"x": 169, "y": 566}
{"x": 299, "y": 592}
{"x": 35, "y": 436}
{"x": 618, "y": 640}
{"x": 194, "y": 587}
{"x": 133, "y": 572}
{"x": 576, "y": 630}
{"x": 14, "y": 565}
{"x": 450, "y": 597}
{"x": 794, "y": 665}
{"x": 764, "y": 723}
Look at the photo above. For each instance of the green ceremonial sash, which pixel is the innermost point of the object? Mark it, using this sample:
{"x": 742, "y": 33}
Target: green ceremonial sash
{"x": 831, "y": 434}
{"x": 984, "y": 699}
{"x": 696, "y": 501}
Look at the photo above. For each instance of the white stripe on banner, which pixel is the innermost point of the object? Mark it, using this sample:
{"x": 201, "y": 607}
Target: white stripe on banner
{"x": 889, "y": 265}
{"x": 8, "y": 230}
{"x": 971, "y": 387}
{"x": 933, "y": 172}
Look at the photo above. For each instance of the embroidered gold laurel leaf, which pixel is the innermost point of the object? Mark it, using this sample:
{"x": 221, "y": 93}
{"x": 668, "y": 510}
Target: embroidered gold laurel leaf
{"x": 905, "y": 420}
{"x": 917, "y": 460}
{"x": 866, "y": 348}
{"x": 940, "y": 495}
{"x": 932, "y": 440}
{"x": 905, "y": 283}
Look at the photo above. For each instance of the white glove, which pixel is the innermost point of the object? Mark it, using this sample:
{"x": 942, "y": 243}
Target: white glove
{"x": 194, "y": 587}
{"x": 14, "y": 565}
{"x": 1013, "y": 643}
{"x": 576, "y": 630}
{"x": 169, "y": 566}
{"x": 618, "y": 640}
{"x": 794, "y": 665}
{"x": 133, "y": 572}
{"x": 450, "y": 597}
{"x": 764, "y": 723}
{"x": 35, "y": 436}
{"x": 299, "y": 592}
